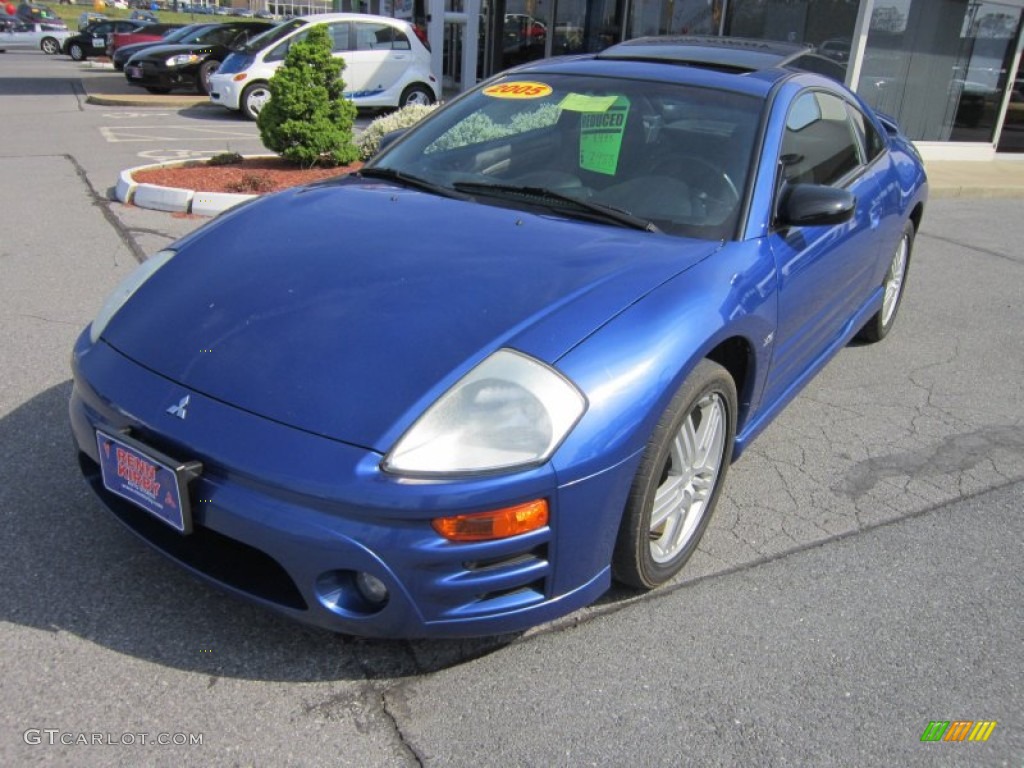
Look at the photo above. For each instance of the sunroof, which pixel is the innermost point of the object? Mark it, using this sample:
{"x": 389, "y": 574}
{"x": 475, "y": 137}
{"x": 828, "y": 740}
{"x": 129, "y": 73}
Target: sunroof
{"x": 730, "y": 54}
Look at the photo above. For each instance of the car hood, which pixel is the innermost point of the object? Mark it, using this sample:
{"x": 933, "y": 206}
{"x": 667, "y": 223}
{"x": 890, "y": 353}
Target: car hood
{"x": 126, "y": 51}
{"x": 345, "y": 309}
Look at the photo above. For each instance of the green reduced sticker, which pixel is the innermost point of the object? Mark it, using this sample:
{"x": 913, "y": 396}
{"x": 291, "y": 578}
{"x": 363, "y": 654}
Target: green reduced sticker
{"x": 578, "y": 102}
{"x": 601, "y": 134}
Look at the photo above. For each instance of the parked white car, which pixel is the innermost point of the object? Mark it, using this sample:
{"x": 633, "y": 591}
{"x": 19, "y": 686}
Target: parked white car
{"x": 387, "y": 64}
{"x": 17, "y": 34}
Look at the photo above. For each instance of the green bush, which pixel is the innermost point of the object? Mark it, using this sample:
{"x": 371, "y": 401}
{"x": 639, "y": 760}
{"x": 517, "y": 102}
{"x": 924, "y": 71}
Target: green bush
{"x": 307, "y": 119}
{"x": 225, "y": 158}
{"x": 369, "y": 142}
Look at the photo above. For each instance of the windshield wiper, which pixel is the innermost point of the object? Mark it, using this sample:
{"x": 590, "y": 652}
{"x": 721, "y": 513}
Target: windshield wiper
{"x": 410, "y": 181}
{"x": 600, "y": 211}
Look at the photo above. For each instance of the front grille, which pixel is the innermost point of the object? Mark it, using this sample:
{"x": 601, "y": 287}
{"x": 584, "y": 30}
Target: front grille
{"x": 219, "y": 557}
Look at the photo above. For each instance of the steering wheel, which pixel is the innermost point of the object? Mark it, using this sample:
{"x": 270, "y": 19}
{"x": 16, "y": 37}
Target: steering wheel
{"x": 724, "y": 195}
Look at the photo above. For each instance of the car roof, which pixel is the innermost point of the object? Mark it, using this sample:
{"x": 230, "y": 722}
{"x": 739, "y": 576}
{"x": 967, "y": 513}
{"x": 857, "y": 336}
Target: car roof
{"x": 321, "y": 17}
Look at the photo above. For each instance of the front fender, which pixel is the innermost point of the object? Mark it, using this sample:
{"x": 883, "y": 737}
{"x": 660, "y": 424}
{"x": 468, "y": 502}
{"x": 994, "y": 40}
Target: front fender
{"x": 630, "y": 369}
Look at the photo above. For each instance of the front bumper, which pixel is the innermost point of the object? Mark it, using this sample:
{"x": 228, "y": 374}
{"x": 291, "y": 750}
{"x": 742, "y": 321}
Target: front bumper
{"x": 287, "y": 519}
{"x": 153, "y": 75}
{"x": 226, "y": 92}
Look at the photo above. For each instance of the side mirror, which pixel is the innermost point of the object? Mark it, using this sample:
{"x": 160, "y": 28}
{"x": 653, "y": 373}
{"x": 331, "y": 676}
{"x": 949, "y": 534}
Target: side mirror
{"x": 815, "y": 205}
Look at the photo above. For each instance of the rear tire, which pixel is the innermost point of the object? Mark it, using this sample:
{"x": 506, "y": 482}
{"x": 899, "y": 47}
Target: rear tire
{"x": 417, "y": 93}
{"x": 679, "y": 480}
{"x": 49, "y": 46}
{"x": 76, "y": 52}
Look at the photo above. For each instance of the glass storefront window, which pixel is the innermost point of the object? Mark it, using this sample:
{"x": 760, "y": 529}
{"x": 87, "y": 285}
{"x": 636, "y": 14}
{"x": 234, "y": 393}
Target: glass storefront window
{"x": 579, "y": 26}
{"x": 1012, "y": 137}
{"x": 524, "y": 31}
{"x": 940, "y": 67}
{"x": 826, "y": 24}
{"x": 674, "y": 17}
{"x": 586, "y": 27}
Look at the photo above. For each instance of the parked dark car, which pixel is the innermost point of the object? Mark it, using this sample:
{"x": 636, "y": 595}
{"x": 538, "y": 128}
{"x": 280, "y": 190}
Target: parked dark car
{"x": 184, "y": 35}
{"x": 93, "y": 40}
{"x": 164, "y": 68}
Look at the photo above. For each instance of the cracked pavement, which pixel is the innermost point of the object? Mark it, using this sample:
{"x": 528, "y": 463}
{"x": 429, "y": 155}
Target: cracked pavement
{"x": 861, "y": 576}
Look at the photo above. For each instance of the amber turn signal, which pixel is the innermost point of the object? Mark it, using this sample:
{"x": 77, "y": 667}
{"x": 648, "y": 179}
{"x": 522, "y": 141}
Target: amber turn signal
{"x": 240, "y": 77}
{"x": 497, "y": 524}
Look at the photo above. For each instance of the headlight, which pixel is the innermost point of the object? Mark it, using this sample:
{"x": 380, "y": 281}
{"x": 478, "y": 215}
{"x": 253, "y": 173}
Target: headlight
{"x": 182, "y": 59}
{"x": 509, "y": 411}
{"x": 124, "y": 291}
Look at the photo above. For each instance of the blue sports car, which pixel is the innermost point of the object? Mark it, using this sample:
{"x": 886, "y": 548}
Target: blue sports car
{"x": 460, "y": 391}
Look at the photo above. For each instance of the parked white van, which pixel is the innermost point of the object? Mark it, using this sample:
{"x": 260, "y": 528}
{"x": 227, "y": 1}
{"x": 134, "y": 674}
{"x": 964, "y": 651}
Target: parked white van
{"x": 386, "y": 63}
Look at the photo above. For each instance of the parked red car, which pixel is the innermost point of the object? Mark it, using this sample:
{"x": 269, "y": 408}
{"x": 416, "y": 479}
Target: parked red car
{"x": 151, "y": 33}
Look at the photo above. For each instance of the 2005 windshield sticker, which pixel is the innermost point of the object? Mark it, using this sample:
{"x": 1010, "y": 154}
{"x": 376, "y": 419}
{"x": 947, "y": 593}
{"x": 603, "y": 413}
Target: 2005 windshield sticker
{"x": 602, "y": 124}
{"x": 521, "y": 90}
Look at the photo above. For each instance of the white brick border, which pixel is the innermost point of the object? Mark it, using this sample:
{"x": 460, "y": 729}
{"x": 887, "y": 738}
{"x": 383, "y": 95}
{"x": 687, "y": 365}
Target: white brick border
{"x": 174, "y": 199}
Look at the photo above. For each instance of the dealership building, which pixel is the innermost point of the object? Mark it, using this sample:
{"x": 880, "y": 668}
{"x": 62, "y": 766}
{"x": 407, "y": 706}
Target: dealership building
{"x": 947, "y": 70}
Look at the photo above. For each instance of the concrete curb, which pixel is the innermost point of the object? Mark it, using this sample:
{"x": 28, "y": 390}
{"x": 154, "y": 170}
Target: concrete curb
{"x": 975, "y": 192}
{"x": 212, "y": 203}
{"x": 149, "y": 100}
{"x": 174, "y": 199}
{"x": 170, "y": 199}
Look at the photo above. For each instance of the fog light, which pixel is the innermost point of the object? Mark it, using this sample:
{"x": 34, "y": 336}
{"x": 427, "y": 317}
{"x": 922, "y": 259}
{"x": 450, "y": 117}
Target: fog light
{"x": 371, "y": 588}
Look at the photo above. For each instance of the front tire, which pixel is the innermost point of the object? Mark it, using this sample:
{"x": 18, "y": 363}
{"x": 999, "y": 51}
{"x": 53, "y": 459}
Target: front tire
{"x": 680, "y": 476}
{"x": 76, "y": 52}
{"x": 254, "y": 98}
{"x": 416, "y": 93}
{"x": 878, "y": 327}
{"x": 206, "y": 70}
{"x": 49, "y": 46}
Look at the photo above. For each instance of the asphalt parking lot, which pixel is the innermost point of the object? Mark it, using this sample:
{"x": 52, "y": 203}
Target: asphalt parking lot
{"x": 860, "y": 580}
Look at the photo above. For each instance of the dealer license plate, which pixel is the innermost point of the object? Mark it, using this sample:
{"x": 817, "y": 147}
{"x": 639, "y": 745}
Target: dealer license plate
{"x": 135, "y": 72}
{"x": 148, "y": 479}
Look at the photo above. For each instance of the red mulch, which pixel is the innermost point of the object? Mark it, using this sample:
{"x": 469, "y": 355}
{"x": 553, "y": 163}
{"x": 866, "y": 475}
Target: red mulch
{"x": 251, "y": 176}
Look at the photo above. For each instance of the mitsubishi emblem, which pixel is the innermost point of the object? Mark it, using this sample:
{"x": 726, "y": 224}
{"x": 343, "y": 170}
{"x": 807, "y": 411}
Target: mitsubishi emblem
{"x": 181, "y": 409}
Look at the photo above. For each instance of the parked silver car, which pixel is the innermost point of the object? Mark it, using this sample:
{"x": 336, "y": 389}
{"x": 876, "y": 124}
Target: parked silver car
{"x": 18, "y": 34}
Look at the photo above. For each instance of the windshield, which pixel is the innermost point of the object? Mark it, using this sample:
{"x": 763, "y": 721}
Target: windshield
{"x": 271, "y": 36}
{"x": 38, "y": 12}
{"x": 670, "y": 158}
{"x": 177, "y": 35}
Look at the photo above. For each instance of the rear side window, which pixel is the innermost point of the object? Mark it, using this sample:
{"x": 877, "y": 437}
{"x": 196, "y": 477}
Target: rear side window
{"x": 372, "y": 36}
{"x": 820, "y": 145}
{"x": 872, "y": 141}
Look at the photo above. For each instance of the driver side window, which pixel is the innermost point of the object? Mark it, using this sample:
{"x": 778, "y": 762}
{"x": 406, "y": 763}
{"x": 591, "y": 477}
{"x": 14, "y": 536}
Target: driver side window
{"x": 820, "y": 144}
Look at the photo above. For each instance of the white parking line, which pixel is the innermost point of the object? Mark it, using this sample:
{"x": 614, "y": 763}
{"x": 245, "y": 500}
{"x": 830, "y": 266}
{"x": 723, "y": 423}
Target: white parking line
{"x": 132, "y": 115}
{"x": 137, "y": 133}
{"x": 166, "y": 155}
